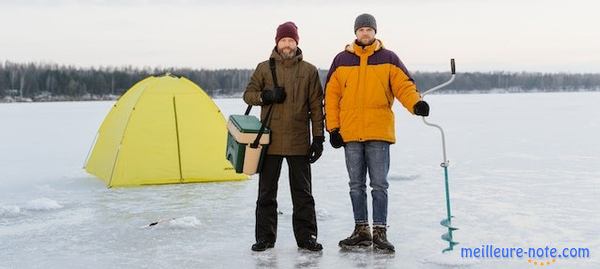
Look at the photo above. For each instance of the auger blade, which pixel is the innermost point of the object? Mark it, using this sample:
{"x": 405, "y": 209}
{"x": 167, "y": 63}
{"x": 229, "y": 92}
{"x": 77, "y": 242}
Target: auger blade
{"x": 446, "y": 237}
{"x": 451, "y": 247}
{"x": 447, "y": 223}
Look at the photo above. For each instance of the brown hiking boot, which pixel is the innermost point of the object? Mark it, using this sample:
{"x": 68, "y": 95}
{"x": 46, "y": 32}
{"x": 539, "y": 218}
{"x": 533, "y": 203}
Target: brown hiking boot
{"x": 380, "y": 239}
{"x": 361, "y": 237}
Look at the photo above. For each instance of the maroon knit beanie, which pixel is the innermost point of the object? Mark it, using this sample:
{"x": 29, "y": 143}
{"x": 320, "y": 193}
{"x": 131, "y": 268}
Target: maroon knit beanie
{"x": 288, "y": 29}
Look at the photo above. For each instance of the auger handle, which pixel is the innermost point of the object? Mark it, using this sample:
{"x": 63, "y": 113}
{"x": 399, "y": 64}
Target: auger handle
{"x": 453, "y": 75}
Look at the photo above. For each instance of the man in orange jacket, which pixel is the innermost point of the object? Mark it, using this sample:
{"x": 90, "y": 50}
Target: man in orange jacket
{"x": 360, "y": 89}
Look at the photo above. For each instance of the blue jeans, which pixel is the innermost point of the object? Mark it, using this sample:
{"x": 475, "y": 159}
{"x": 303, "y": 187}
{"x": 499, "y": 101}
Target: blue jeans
{"x": 372, "y": 156}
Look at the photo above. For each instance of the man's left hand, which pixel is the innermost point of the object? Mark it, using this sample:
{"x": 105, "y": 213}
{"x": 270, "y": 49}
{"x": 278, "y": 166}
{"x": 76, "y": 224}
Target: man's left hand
{"x": 316, "y": 148}
{"x": 421, "y": 108}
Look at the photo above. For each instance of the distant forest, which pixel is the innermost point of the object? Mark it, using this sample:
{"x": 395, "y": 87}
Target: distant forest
{"x": 51, "y": 82}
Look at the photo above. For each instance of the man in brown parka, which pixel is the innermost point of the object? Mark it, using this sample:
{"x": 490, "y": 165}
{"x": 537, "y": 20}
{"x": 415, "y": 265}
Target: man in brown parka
{"x": 296, "y": 102}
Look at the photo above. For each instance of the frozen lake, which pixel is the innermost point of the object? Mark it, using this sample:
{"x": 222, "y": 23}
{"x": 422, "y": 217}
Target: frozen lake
{"x": 524, "y": 172}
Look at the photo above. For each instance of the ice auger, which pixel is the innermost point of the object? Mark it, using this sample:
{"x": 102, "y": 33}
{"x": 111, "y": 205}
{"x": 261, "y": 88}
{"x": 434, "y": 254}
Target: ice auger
{"x": 447, "y": 222}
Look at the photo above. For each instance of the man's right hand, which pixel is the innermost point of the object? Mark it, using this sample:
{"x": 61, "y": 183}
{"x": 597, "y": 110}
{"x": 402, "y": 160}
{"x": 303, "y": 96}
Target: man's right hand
{"x": 276, "y": 95}
{"x": 335, "y": 138}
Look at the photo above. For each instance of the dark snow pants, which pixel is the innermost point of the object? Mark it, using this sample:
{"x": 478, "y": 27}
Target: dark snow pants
{"x": 303, "y": 218}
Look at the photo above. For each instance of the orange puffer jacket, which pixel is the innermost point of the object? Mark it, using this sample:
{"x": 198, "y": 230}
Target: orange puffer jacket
{"x": 360, "y": 90}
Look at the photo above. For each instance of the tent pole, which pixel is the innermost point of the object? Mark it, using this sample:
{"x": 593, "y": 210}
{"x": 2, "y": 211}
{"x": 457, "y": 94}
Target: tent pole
{"x": 178, "y": 147}
{"x": 90, "y": 151}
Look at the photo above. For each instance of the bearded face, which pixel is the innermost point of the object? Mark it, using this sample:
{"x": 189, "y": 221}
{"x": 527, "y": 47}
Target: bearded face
{"x": 365, "y": 35}
{"x": 287, "y": 47}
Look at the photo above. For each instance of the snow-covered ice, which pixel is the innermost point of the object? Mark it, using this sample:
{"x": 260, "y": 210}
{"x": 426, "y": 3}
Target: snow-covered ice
{"x": 42, "y": 204}
{"x": 524, "y": 172}
{"x": 185, "y": 222}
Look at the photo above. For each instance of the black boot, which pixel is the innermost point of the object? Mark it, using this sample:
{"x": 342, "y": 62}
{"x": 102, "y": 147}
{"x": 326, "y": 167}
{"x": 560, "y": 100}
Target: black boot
{"x": 380, "y": 239}
{"x": 311, "y": 244}
{"x": 262, "y": 245}
{"x": 361, "y": 237}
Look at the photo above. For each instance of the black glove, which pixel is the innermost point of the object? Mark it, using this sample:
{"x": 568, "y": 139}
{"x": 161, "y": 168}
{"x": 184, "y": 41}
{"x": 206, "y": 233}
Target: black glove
{"x": 316, "y": 148}
{"x": 336, "y": 140}
{"x": 421, "y": 108}
{"x": 276, "y": 95}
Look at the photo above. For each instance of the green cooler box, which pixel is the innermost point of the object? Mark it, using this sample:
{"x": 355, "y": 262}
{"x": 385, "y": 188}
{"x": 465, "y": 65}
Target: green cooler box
{"x": 241, "y": 132}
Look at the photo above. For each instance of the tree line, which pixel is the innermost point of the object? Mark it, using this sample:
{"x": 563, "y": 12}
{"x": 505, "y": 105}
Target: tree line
{"x": 31, "y": 80}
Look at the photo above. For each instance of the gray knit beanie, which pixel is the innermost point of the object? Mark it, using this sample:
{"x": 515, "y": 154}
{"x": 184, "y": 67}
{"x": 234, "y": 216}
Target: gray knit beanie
{"x": 365, "y": 20}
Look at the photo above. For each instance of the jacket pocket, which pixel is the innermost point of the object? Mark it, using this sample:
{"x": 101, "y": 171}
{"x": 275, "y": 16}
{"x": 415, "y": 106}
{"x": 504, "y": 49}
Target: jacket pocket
{"x": 378, "y": 95}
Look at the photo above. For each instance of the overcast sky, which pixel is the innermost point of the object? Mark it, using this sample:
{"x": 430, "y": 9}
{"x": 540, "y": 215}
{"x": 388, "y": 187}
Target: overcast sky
{"x": 483, "y": 35}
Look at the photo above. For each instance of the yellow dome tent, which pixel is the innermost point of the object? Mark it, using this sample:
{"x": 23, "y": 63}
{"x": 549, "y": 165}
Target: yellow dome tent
{"x": 163, "y": 130}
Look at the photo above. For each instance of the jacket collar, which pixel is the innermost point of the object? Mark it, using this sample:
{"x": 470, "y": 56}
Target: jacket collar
{"x": 286, "y": 62}
{"x": 367, "y": 50}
